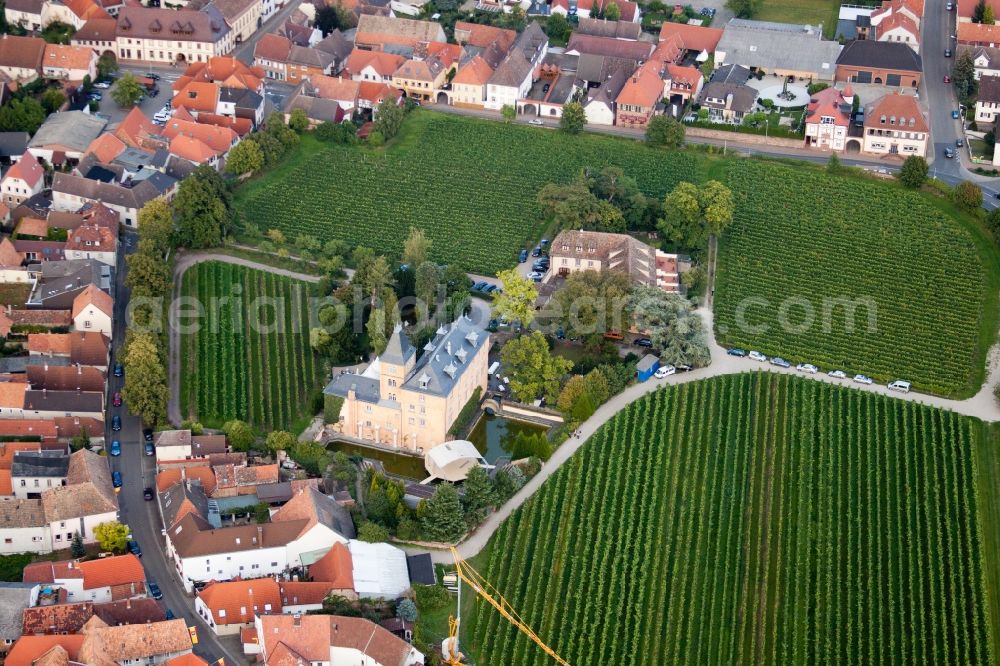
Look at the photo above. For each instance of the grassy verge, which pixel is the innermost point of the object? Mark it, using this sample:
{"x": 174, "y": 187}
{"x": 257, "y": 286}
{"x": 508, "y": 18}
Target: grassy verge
{"x": 987, "y": 457}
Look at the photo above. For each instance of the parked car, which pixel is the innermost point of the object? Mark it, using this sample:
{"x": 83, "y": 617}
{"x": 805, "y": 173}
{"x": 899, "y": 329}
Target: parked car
{"x": 614, "y": 335}
{"x": 147, "y": 494}
{"x": 545, "y": 88}
{"x": 959, "y": 142}
{"x": 956, "y": 114}
{"x": 148, "y": 448}
{"x": 152, "y": 75}
{"x": 133, "y": 547}
{"x": 664, "y": 371}
{"x": 541, "y": 268}
{"x": 116, "y": 480}
{"x": 807, "y": 367}
{"x": 643, "y": 342}
{"x": 684, "y": 368}
{"x": 899, "y": 385}
{"x": 736, "y": 351}
{"x": 119, "y": 370}
{"x": 862, "y": 379}
{"x": 161, "y": 116}
{"x": 154, "y": 590}
{"x": 537, "y": 252}
{"x": 543, "y": 243}
{"x": 116, "y": 423}
{"x": 536, "y": 276}
{"x": 522, "y": 256}
{"x": 169, "y": 614}
{"x": 103, "y": 85}
{"x": 479, "y": 286}
{"x": 950, "y": 6}
{"x": 536, "y": 121}
{"x": 949, "y": 153}
{"x": 947, "y": 53}
{"x": 780, "y": 362}
{"x": 947, "y": 79}
{"x": 95, "y": 96}
{"x": 116, "y": 399}
{"x": 116, "y": 448}
{"x": 147, "y": 435}
{"x": 837, "y": 374}
{"x": 757, "y": 356}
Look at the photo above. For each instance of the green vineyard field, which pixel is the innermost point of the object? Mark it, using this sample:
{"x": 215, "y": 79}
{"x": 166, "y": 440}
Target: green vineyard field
{"x": 231, "y": 369}
{"x": 469, "y": 184}
{"x": 753, "y": 519}
{"x": 804, "y": 235}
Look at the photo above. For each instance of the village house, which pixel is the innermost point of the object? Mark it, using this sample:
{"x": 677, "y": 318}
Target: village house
{"x": 778, "y": 49}
{"x": 600, "y": 105}
{"x": 90, "y": 241}
{"x": 728, "y": 102}
{"x": 330, "y": 639}
{"x": 828, "y": 119}
{"x": 242, "y": 16}
{"x": 899, "y": 27}
{"x": 100, "y": 34}
{"x": 230, "y": 607}
{"x": 93, "y": 310}
{"x": 403, "y": 401}
{"x": 71, "y": 618}
{"x": 65, "y": 136}
{"x": 979, "y": 34}
{"x": 32, "y": 472}
{"x": 23, "y": 180}
{"x": 573, "y": 251}
{"x": 127, "y": 645}
{"x": 697, "y": 40}
{"x": 161, "y": 35}
{"x": 985, "y": 59}
{"x": 583, "y": 9}
{"x": 381, "y": 33}
{"x": 882, "y": 63}
{"x": 26, "y": 14}
{"x": 97, "y": 581}
{"x": 85, "y": 348}
{"x": 372, "y": 66}
{"x": 15, "y": 599}
{"x": 988, "y": 100}
{"x": 895, "y": 124}
{"x": 69, "y": 63}
{"x": 640, "y": 95}
{"x": 21, "y": 58}
{"x": 512, "y": 79}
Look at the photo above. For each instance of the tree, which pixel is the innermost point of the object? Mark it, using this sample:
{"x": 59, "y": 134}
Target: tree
{"x": 612, "y": 12}
{"x": 156, "y": 226}
{"x": 201, "y": 207}
{"x": 744, "y": 8}
{"x": 478, "y": 497}
{"x": 372, "y": 532}
{"x": 674, "y": 327}
{"x": 508, "y": 113}
{"x": 574, "y": 206}
{"x": 148, "y": 274}
{"x": 106, "y": 66}
{"x": 988, "y": 17}
{"x": 127, "y": 91}
{"x": 558, "y": 28}
{"x": 416, "y": 248}
{"x": 507, "y": 482}
{"x": 239, "y": 434}
{"x": 426, "y": 282}
{"x": 993, "y": 223}
{"x": 21, "y": 115}
{"x": 112, "y": 536}
{"x": 406, "y": 610}
{"x": 298, "y": 121}
{"x": 913, "y": 174}
{"x": 52, "y": 99}
{"x": 517, "y": 301}
{"x": 342, "y": 470}
{"x": 442, "y": 516}
{"x": 533, "y": 370}
{"x": 963, "y": 75}
{"x": 376, "y": 331}
{"x": 261, "y": 512}
{"x": 833, "y": 166}
{"x": 692, "y": 215}
{"x": 573, "y": 119}
{"x": 591, "y": 303}
{"x": 968, "y": 196}
{"x": 280, "y": 440}
{"x": 389, "y": 118}
{"x": 979, "y": 11}
{"x": 665, "y": 132}
{"x": 145, "y": 388}
{"x": 246, "y": 157}
{"x": 77, "y": 549}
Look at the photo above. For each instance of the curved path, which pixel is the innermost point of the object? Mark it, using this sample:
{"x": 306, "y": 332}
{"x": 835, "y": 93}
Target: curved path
{"x": 184, "y": 262}
{"x": 982, "y": 406}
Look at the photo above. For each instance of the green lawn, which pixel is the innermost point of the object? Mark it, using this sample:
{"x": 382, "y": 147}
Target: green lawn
{"x": 756, "y": 518}
{"x": 807, "y": 12}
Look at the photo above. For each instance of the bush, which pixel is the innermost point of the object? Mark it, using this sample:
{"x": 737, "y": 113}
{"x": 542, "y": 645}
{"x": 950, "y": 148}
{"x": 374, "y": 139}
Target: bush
{"x": 431, "y": 597}
{"x": 372, "y": 532}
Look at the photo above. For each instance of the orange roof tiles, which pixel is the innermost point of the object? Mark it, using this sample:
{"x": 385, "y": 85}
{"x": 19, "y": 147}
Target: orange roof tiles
{"x": 191, "y": 149}
{"x": 475, "y": 34}
{"x": 92, "y": 295}
{"x": 32, "y": 226}
{"x": 219, "y": 139}
{"x": 106, "y": 147}
{"x": 335, "y": 568}
{"x": 827, "y": 103}
{"x": 272, "y": 47}
{"x": 978, "y": 34}
{"x": 86, "y": 9}
{"x": 329, "y": 87}
{"x": 198, "y": 96}
{"x": 12, "y": 395}
{"x": 295, "y": 593}
{"x": 136, "y": 129}
{"x": 693, "y": 37}
{"x": 203, "y": 473}
{"x": 242, "y": 126}
{"x": 110, "y": 571}
{"x": 91, "y": 238}
{"x": 8, "y": 255}
{"x": 68, "y": 57}
{"x": 27, "y": 649}
{"x": 237, "y": 602}
{"x": 375, "y": 92}
{"x": 384, "y": 64}
{"x": 20, "y": 427}
{"x": 50, "y": 343}
{"x": 899, "y": 20}
{"x": 6, "y": 489}
{"x": 187, "y": 660}
{"x": 476, "y": 72}
{"x": 893, "y": 110}
{"x": 27, "y": 169}
{"x": 8, "y": 449}
{"x": 644, "y": 88}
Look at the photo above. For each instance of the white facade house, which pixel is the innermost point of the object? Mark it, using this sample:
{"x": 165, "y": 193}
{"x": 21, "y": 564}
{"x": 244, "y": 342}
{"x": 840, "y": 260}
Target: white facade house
{"x": 23, "y": 180}
{"x": 92, "y": 311}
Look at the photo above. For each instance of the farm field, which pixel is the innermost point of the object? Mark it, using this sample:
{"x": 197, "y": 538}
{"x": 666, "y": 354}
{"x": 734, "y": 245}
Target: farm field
{"x": 755, "y": 518}
{"x": 230, "y": 369}
{"x": 470, "y": 184}
{"x": 928, "y": 282}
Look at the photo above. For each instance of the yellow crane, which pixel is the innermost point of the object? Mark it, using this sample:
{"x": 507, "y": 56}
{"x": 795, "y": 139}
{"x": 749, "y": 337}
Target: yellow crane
{"x": 482, "y": 587}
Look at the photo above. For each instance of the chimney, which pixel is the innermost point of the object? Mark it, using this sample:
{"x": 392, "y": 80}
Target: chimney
{"x": 729, "y": 100}
{"x": 297, "y": 620}
{"x": 128, "y": 604}
{"x": 260, "y": 534}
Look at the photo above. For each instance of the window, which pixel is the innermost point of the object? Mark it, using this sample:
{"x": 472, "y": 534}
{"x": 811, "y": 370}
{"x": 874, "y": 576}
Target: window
{"x": 222, "y": 612}
{"x": 11, "y": 540}
{"x": 273, "y": 564}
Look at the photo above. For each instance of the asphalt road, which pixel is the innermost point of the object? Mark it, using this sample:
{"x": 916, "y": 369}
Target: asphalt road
{"x": 138, "y": 472}
{"x": 938, "y": 28}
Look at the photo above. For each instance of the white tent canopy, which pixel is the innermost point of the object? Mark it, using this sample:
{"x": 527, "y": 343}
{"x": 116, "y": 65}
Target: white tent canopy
{"x": 452, "y": 460}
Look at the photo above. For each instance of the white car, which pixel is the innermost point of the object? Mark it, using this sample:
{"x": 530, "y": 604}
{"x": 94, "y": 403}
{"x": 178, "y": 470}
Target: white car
{"x": 837, "y": 374}
{"x": 103, "y": 85}
{"x": 536, "y": 276}
{"x": 535, "y": 121}
{"x": 899, "y": 385}
{"x": 664, "y": 371}
{"x": 162, "y": 116}
{"x": 807, "y": 367}
{"x": 862, "y": 379}
{"x": 757, "y": 356}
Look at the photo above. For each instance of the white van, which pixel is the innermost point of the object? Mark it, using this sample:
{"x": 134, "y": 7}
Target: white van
{"x": 899, "y": 385}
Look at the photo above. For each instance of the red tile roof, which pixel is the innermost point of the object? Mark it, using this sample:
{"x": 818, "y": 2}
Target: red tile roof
{"x": 91, "y": 238}
{"x": 335, "y": 568}
{"x": 644, "y": 88}
{"x": 901, "y": 112}
{"x": 272, "y": 47}
{"x": 137, "y": 130}
{"x": 32, "y": 226}
{"x": 219, "y": 139}
{"x": 242, "y": 126}
{"x": 203, "y": 473}
{"x": 197, "y": 96}
{"x": 978, "y": 34}
{"x": 237, "y": 602}
{"x": 28, "y": 649}
{"x": 50, "y": 343}
{"x": 68, "y": 57}
{"x": 966, "y": 8}
{"x": 47, "y": 430}
{"x": 899, "y": 20}
{"x": 384, "y": 64}
{"x": 827, "y": 103}
{"x": 692, "y": 37}
{"x": 27, "y": 169}
{"x": 92, "y": 295}
{"x": 106, "y": 147}
{"x": 189, "y": 148}
{"x": 476, "y": 72}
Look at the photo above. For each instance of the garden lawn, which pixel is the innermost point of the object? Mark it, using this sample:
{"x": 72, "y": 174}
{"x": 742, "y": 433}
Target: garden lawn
{"x": 470, "y": 184}
{"x": 807, "y": 12}
{"x": 754, "y": 519}
{"x": 804, "y": 244}
{"x": 232, "y": 368}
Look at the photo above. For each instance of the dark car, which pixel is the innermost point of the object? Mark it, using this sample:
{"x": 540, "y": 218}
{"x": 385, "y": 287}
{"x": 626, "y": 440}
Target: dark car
{"x": 546, "y": 87}
{"x": 148, "y": 448}
{"x": 116, "y": 448}
{"x": 736, "y": 352}
{"x": 561, "y": 334}
{"x": 537, "y": 252}
{"x": 522, "y": 257}
{"x": 116, "y": 400}
{"x": 491, "y": 288}
{"x": 169, "y": 614}
{"x": 116, "y": 423}
{"x": 154, "y": 92}
{"x": 119, "y": 370}
{"x": 544, "y": 242}
{"x": 643, "y": 342}
{"x": 147, "y": 435}
{"x": 154, "y": 591}
{"x": 947, "y": 53}
{"x": 133, "y": 547}
{"x": 152, "y": 75}
{"x": 116, "y": 479}
{"x": 147, "y": 494}
{"x": 492, "y": 326}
